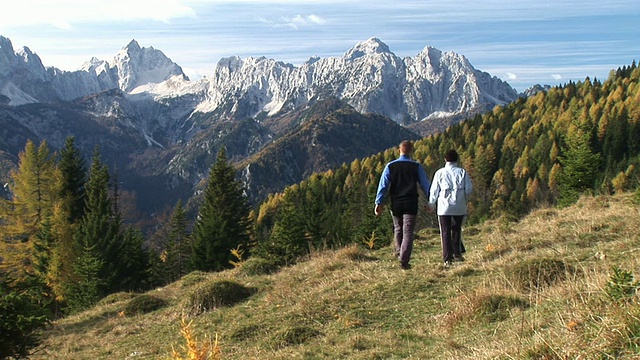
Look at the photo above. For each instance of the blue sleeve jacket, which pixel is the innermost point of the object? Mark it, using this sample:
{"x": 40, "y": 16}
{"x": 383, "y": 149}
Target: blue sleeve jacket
{"x": 385, "y": 184}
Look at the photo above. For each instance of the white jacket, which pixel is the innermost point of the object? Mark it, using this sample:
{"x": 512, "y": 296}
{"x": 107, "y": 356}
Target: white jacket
{"x": 450, "y": 188}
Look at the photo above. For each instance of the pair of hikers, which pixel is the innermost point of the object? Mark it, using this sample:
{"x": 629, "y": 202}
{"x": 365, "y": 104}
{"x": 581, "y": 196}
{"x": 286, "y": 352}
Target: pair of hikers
{"x": 447, "y": 194}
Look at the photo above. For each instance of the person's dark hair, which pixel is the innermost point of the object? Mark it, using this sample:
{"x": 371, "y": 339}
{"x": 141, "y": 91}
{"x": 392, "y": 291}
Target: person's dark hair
{"x": 451, "y": 156}
{"x": 406, "y": 147}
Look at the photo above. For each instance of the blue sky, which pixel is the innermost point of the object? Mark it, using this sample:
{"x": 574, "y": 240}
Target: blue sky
{"x": 522, "y": 42}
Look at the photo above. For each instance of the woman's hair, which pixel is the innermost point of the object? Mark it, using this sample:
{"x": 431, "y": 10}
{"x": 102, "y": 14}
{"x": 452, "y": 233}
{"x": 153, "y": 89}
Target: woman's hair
{"x": 451, "y": 156}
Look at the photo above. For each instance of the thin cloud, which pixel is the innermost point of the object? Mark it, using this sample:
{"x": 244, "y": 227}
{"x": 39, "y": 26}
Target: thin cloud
{"x": 511, "y": 76}
{"x": 299, "y": 21}
{"x": 556, "y": 76}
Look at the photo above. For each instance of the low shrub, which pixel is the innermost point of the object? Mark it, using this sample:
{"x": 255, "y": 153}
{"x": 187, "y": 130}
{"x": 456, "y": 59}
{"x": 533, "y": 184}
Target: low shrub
{"x": 622, "y": 285}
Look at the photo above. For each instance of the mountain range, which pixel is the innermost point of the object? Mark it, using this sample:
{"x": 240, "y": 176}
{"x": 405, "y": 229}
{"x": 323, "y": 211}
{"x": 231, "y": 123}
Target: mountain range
{"x": 279, "y": 122}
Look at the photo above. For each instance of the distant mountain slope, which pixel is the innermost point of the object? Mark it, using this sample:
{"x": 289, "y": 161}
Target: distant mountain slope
{"x": 325, "y": 140}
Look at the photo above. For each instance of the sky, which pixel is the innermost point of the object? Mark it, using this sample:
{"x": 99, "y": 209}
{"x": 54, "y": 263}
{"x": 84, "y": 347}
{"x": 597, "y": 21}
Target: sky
{"x": 547, "y": 42}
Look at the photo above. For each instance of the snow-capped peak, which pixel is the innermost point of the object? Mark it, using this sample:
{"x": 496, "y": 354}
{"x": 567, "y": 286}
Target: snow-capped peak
{"x": 370, "y": 46}
{"x": 138, "y": 66}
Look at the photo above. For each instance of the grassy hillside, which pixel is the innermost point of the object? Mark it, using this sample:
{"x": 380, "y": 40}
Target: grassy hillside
{"x": 541, "y": 288}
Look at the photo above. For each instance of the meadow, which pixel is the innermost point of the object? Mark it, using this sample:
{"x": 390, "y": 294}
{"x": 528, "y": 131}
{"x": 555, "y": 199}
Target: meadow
{"x": 558, "y": 284}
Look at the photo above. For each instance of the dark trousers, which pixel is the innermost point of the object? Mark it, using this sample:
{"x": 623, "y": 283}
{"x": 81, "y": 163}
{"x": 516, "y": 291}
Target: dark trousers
{"x": 451, "y": 235}
{"x": 403, "y": 226}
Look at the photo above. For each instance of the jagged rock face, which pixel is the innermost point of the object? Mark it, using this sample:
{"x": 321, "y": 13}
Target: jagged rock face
{"x": 368, "y": 77}
{"x": 23, "y": 78}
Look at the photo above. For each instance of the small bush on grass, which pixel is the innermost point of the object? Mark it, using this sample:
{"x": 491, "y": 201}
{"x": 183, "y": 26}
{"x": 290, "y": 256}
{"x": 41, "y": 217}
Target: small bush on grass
{"x": 622, "y": 286}
{"x": 215, "y": 294}
{"x": 143, "y": 304}
{"x": 354, "y": 253}
{"x": 537, "y": 273}
{"x": 196, "y": 349}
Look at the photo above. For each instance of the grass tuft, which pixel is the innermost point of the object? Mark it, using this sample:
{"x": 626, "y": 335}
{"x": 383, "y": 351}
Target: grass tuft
{"x": 538, "y": 273}
{"x": 116, "y": 297}
{"x": 143, "y": 304}
{"x": 295, "y": 336}
{"x": 215, "y": 294}
{"x": 255, "y": 266}
{"x": 193, "y": 278}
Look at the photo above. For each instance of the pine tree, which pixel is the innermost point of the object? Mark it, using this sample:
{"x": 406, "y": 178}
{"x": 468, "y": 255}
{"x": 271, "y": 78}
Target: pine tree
{"x": 287, "y": 241}
{"x": 134, "y": 264}
{"x": 223, "y": 219}
{"x": 179, "y": 246}
{"x": 98, "y": 234}
{"x": 64, "y": 251}
{"x": 87, "y": 286}
{"x": 24, "y": 314}
{"x": 580, "y": 166}
{"x": 73, "y": 175}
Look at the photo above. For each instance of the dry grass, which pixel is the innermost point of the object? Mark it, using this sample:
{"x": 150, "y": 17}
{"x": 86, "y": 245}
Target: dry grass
{"x": 355, "y": 303}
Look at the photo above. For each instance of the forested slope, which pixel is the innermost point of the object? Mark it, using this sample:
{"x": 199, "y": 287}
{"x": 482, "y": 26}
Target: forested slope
{"x": 544, "y": 150}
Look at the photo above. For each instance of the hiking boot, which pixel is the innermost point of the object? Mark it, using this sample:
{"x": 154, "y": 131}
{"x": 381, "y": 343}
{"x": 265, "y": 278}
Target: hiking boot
{"x": 458, "y": 258}
{"x": 447, "y": 264}
{"x": 405, "y": 266}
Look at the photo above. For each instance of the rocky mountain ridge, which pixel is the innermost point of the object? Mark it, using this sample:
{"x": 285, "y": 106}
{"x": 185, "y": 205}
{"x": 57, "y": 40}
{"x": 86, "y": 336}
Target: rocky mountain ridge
{"x": 172, "y": 126}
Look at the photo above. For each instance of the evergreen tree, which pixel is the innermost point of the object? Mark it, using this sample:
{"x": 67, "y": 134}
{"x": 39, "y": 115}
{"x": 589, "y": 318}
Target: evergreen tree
{"x": 87, "y": 285}
{"x": 23, "y": 315}
{"x": 179, "y": 245}
{"x": 126, "y": 250}
{"x": 98, "y": 234}
{"x": 288, "y": 240}
{"x": 580, "y": 166}
{"x": 223, "y": 219}
{"x": 134, "y": 265}
{"x": 73, "y": 175}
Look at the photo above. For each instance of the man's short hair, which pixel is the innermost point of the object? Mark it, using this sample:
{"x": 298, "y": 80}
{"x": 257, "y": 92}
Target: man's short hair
{"x": 406, "y": 147}
{"x": 451, "y": 156}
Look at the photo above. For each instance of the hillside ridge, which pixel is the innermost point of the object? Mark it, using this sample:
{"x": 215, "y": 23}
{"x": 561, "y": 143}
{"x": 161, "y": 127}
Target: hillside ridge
{"x": 537, "y": 288}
